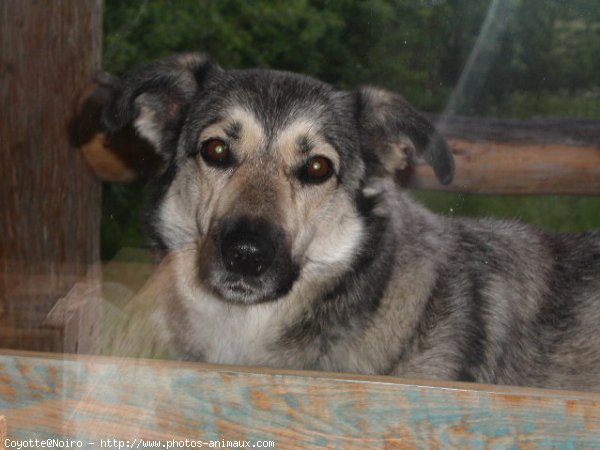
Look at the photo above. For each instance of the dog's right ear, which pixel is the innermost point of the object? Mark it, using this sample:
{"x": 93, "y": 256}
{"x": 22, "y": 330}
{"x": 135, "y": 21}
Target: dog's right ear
{"x": 155, "y": 96}
{"x": 397, "y": 134}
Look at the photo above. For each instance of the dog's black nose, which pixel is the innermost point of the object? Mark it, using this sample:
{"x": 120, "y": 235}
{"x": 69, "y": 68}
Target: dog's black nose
{"x": 246, "y": 253}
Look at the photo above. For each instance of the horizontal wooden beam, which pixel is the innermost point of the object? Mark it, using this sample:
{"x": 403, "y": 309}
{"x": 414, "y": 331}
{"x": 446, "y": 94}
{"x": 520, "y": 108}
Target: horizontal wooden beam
{"x": 515, "y": 168}
{"x": 93, "y": 398}
{"x": 542, "y": 131}
{"x": 493, "y": 156}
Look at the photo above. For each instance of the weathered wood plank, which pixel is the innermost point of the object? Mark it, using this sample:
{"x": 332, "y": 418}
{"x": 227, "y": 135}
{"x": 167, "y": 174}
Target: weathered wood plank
{"x": 2, "y": 432}
{"x": 514, "y": 168}
{"x": 92, "y": 398}
{"x": 551, "y": 156}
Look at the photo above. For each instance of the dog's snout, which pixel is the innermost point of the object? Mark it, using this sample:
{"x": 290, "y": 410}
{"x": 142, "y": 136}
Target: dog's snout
{"x": 246, "y": 252}
{"x": 253, "y": 261}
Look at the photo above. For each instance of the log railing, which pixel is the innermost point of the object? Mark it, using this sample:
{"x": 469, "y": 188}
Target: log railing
{"x": 538, "y": 156}
{"x": 493, "y": 156}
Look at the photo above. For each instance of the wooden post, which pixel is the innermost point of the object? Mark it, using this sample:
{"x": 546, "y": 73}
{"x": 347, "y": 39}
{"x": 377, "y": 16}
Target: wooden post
{"x": 49, "y": 199}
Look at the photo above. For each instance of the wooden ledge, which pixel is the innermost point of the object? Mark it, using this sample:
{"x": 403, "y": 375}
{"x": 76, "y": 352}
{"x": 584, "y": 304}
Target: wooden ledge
{"x": 95, "y": 397}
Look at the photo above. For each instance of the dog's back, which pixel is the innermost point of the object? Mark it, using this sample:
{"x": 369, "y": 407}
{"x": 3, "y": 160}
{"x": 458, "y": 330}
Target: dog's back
{"x": 510, "y": 304}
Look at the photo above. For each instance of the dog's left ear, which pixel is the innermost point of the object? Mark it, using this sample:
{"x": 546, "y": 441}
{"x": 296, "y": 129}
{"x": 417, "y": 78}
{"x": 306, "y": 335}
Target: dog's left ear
{"x": 154, "y": 97}
{"x": 398, "y": 134}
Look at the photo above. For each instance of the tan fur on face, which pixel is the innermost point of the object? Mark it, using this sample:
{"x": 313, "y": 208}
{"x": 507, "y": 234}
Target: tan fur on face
{"x": 180, "y": 208}
{"x": 265, "y": 184}
{"x": 219, "y": 189}
{"x": 288, "y": 143}
{"x": 398, "y": 157}
{"x": 320, "y": 221}
{"x": 147, "y": 124}
{"x": 251, "y": 135}
{"x": 322, "y": 214}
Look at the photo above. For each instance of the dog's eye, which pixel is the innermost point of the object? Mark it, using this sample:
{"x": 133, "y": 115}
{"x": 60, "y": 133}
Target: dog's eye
{"x": 316, "y": 170}
{"x": 216, "y": 152}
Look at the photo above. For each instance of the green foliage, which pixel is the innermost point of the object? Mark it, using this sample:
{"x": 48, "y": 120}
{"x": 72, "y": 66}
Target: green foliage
{"x": 419, "y": 48}
{"x": 558, "y": 213}
{"x": 393, "y": 44}
{"x": 524, "y": 105}
{"x": 121, "y": 224}
{"x": 532, "y": 58}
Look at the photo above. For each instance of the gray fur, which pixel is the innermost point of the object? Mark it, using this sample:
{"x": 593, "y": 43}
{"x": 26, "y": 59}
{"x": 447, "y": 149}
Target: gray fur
{"x": 367, "y": 280}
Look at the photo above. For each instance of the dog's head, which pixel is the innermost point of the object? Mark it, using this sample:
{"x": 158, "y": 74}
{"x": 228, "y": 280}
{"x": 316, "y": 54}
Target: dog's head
{"x": 265, "y": 171}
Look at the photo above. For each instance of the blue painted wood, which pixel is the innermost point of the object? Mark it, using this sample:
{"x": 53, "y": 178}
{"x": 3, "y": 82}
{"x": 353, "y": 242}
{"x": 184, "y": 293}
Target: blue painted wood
{"x": 93, "y": 398}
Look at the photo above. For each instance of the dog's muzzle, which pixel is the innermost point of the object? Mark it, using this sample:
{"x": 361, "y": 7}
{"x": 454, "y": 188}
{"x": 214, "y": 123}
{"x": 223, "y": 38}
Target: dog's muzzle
{"x": 254, "y": 263}
{"x": 247, "y": 253}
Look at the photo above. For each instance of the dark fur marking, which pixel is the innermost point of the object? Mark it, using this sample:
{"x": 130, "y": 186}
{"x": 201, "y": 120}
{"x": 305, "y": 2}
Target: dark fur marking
{"x": 436, "y": 307}
{"x": 475, "y": 335}
{"x": 156, "y": 192}
{"x": 276, "y": 98}
{"x": 233, "y": 131}
{"x": 304, "y": 144}
{"x": 470, "y": 333}
{"x": 474, "y": 342}
{"x": 361, "y": 288}
{"x": 573, "y": 263}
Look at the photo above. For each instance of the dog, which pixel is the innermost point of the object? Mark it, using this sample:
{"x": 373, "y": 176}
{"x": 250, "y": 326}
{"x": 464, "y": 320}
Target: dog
{"x": 289, "y": 243}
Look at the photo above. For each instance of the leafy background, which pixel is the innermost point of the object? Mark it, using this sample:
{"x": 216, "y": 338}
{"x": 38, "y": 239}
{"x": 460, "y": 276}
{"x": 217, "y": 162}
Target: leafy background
{"x": 531, "y": 58}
